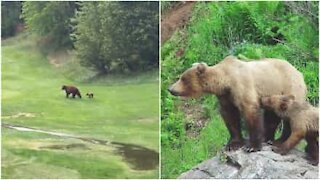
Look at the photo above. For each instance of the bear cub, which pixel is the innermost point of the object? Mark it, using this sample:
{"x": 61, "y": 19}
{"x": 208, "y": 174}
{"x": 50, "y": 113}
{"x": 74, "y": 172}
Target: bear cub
{"x": 90, "y": 95}
{"x": 303, "y": 119}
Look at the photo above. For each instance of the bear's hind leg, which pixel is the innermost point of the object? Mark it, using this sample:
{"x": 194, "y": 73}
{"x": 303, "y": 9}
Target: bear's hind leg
{"x": 312, "y": 148}
{"x": 231, "y": 117}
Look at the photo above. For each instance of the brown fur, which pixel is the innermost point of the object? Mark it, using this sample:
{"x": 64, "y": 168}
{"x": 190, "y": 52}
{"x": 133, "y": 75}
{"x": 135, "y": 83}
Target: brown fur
{"x": 71, "y": 90}
{"x": 303, "y": 119}
{"x": 238, "y": 86}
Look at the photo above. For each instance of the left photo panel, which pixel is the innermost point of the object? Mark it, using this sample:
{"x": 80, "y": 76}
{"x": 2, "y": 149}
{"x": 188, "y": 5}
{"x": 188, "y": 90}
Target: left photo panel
{"x": 79, "y": 90}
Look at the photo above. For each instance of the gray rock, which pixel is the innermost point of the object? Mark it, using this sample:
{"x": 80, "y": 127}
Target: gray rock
{"x": 263, "y": 164}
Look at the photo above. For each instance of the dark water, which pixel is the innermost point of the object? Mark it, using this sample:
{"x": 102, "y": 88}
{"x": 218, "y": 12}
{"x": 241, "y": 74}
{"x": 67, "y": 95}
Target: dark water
{"x": 139, "y": 157}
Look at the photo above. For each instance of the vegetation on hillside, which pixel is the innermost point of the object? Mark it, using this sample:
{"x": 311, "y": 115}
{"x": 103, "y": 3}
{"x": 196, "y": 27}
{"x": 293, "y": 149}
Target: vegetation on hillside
{"x": 117, "y": 37}
{"x": 250, "y": 30}
{"x": 107, "y": 37}
{"x": 51, "y": 21}
{"x": 10, "y": 12}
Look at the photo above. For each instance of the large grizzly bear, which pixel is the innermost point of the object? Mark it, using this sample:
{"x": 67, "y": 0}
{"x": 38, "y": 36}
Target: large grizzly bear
{"x": 304, "y": 123}
{"x": 71, "y": 90}
{"x": 239, "y": 86}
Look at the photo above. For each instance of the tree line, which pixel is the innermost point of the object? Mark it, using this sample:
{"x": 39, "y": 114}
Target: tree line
{"x": 110, "y": 37}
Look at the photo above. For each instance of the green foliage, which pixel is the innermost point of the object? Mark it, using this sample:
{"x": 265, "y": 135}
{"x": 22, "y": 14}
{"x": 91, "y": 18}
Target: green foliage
{"x": 178, "y": 149}
{"x": 166, "y": 5}
{"x": 10, "y": 17}
{"x": 50, "y": 20}
{"x": 249, "y": 30}
{"x": 117, "y": 36}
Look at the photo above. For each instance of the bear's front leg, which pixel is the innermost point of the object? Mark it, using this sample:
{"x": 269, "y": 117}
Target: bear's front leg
{"x": 231, "y": 117}
{"x": 254, "y": 122}
{"x": 289, "y": 144}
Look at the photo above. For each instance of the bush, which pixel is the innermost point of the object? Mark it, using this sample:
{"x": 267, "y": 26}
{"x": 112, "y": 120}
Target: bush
{"x": 10, "y": 17}
{"x": 117, "y": 36}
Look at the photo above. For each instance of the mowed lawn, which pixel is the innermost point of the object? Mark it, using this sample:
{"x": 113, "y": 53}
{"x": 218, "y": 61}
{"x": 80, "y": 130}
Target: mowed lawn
{"x": 32, "y": 97}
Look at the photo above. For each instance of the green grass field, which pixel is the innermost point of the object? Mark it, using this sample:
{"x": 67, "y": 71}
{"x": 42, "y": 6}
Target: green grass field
{"x": 32, "y": 97}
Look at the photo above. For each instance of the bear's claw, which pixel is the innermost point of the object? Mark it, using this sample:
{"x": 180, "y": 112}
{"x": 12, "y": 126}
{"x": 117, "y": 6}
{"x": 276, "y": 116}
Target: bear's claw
{"x": 280, "y": 150}
{"x": 252, "y": 149}
{"x": 234, "y": 145}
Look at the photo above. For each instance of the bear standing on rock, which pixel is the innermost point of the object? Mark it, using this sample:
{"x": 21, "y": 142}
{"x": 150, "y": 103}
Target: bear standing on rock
{"x": 304, "y": 123}
{"x": 239, "y": 85}
{"x": 71, "y": 90}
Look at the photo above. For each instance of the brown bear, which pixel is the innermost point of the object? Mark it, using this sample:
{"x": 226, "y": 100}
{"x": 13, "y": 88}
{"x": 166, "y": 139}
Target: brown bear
{"x": 239, "y": 85}
{"x": 303, "y": 119}
{"x": 90, "y": 95}
{"x": 71, "y": 90}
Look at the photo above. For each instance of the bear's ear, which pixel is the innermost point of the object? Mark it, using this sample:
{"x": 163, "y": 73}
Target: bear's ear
{"x": 201, "y": 68}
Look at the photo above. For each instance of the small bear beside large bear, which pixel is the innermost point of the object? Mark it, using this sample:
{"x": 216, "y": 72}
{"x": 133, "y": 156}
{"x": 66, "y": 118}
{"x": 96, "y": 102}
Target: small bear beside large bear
{"x": 304, "y": 123}
{"x": 239, "y": 85}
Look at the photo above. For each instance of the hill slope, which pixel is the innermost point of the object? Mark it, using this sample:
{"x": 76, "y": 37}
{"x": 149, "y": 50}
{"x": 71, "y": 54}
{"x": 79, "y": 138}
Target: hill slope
{"x": 32, "y": 97}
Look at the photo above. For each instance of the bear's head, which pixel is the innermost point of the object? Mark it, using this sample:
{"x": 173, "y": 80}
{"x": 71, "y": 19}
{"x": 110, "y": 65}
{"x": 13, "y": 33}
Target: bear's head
{"x": 191, "y": 82}
{"x": 278, "y": 103}
{"x": 63, "y": 87}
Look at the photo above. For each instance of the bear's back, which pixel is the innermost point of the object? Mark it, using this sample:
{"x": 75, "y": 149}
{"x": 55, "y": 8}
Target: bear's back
{"x": 285, "y": 78}
{"x": 268, "y": 76}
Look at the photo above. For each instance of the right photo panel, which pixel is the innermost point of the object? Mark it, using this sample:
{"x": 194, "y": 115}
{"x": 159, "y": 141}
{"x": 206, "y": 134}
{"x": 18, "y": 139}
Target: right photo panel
{"x": 239, "y": 89}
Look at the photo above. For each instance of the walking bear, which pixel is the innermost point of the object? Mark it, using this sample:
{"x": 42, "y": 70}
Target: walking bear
{"x": 71, "y": 90}
{"x": 239, "y": 85}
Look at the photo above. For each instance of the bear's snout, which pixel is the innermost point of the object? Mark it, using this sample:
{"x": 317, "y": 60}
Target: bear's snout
{"x": 172, "y": 91}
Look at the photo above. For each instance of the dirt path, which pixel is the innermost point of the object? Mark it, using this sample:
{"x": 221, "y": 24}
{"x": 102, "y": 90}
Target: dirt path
{"x": 176, "y": 17}
{"x": 139, "y": 157}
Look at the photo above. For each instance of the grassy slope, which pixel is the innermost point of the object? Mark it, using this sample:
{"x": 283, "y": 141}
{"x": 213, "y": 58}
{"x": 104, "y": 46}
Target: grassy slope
{"x": 185, "y": 151}
{"x": 124, "y": 113}
{"x": 196, "y": 40}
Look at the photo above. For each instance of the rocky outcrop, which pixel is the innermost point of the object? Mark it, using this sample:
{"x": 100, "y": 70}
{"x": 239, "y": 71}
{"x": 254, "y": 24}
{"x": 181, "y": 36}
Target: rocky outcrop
{"x": 263, "y": 164}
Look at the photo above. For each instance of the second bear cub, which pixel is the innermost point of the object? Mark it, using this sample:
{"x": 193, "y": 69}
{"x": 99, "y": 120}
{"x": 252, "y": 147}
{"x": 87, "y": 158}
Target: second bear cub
{"x": 303, "y": 119}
